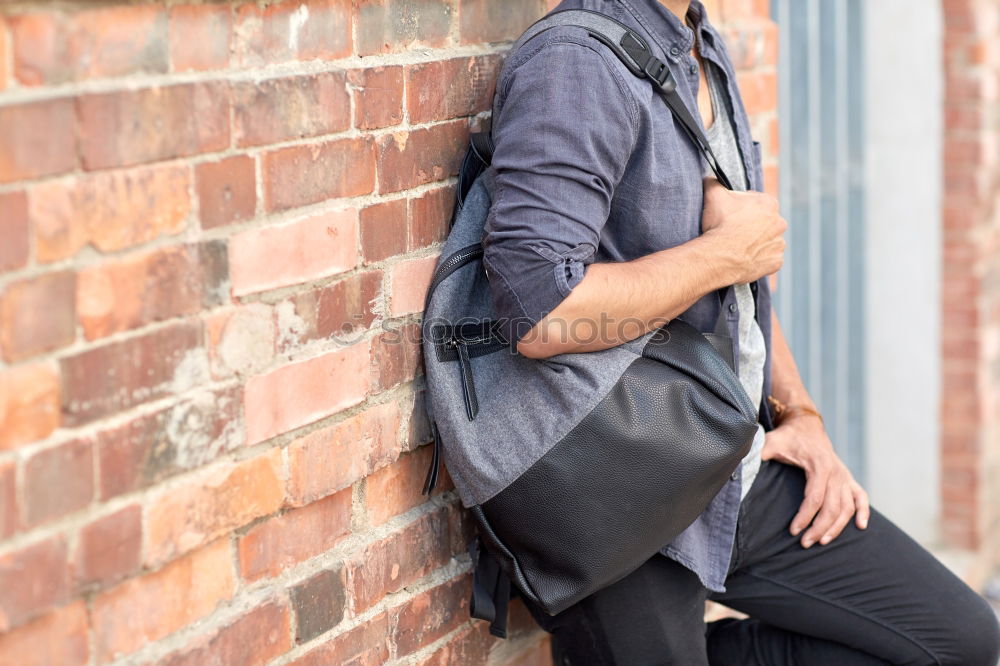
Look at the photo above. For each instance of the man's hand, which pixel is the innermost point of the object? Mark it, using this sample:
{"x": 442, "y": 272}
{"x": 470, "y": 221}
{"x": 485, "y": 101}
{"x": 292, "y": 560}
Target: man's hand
{"x": 832, "y": 495}
{"x": 747, "y": 228}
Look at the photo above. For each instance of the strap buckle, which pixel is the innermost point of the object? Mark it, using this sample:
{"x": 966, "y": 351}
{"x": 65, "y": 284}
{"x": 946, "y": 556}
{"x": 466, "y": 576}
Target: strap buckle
{"x": 658, "y": 71}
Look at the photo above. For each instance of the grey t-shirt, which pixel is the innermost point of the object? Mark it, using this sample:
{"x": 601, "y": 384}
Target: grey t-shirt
{"x": 752, "y": 352}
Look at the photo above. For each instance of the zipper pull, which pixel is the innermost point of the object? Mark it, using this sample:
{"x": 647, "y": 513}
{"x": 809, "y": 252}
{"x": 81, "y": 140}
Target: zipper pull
{"x": 468, "y": 385}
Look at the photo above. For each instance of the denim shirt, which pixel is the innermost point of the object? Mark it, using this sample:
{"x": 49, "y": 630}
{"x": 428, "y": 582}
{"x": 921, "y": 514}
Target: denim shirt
{"x": 590, "y": 166}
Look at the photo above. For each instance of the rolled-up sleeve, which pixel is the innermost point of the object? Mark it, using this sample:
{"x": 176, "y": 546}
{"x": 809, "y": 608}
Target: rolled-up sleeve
{"x": 563, "y": 137}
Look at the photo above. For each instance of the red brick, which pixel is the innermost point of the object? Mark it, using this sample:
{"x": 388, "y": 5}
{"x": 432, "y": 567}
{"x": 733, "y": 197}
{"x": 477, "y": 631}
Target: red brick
{"x": 120, "y": 375}
{"x": 68, "y": 467}
{"x": 430, "y": 615}
{"x": 293, "y": 30}
{"x": 57, "y": 47}
{"x": 200, "y": 37}
{"x": 278, "y": 256}
{"x": 399, "y": 25}
{"x": 378, "y": 96}
{"x": 394, "y": 562}
{"x": 296, "y": 107}
{"x": 365, "y": 645}
{"x": 319, "y": 604}
{"x": 135, "y": 126}
{"x": 147, "y": 608}
{"x": 38, "y": 139}
{"x": 145, "y": 288}
{"x": 430, "y": 215}
{"x": 156, "y": 446}
{"x": 283, "y": 541}
{"x": 396, "y": 355}
{"x": 487, "y": 21}
{"x": 110, "y": 211}
{"x": 59, "y": 637}
{"x": 38, "y": 315}
{"x": 445, "y": 89}
{"x": 8, "y": 500}
{"x": 408, "y": 159}
{"x": 303, "y": 175}
{"x": 345, "y": 308}
{"x": 759, "y": 91}
{"x": 470, "y": 645}
{"x": 108, "y": 549}
{"x": 4, "y": 40}
{"x": 242, "y": 341}
{"x": 396, "y": 489}
{"x": 409, "y": 281}
{"x": 29, "y": 404}
{"x": 13, "y": 230}
{"x": 332, "y": 458}
{"x": 211, "y": 503}
{"x": 300, "y": 393}
{"x": 383, "y": 230}
{"x": 227, "y": 191}
{"x": 252, "y": 640}
{"x": 33, "y": 579}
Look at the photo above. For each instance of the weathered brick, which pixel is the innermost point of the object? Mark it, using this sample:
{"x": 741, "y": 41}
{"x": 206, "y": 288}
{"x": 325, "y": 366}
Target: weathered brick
{"x": 135, "y": 126}
{"x": 408, "y": 283}
{"x": 332, "y": 458}
{"x": 14, "y": 230}
{"x": 396, "y": 355}
{"x": 29, "y": 404}
{"x": 8, "y": 500}
{"x": 59, "y": 637}
{"x": 38, "y": 315}
{"x": 302, "y": 175}
{"x": 470, "y": 645}
{"x": 108, "y": 549}
{"x": 319, "y": 604}
{"x": 283, "y": 541}
{"x": 147, "y": 608}
{"x": 153, "y": 447}
{"x": 274, "y": 110}
{"x": 487, "y": 21}
{"x": 364, "y": 645}
{"x": 145, "y": 288}
{"x": 57, "y": 47}
{"x": 758, "y": 90}
{"x": 397, "y": 488}
{"x": 430, "y": 615}
{"x": 390, "y": 564}
{"x": 38, "y": 139}
{"x": 241, "y": 341}
{"x": 255, "y": 638}
{"x": 200, "y": 37}
{"x": 408, "y": 159}
{"x": 293, "y": 30}
{"x": 68, "y": 467}
{"x": 227, "y": 191}
{"x": 111, "y": 211}
{"x": 378, "y": 96}
{"x": 383, "y": 230}
{"x": 308, "y": 249}
{"x": 344, "y": 308}
{"x": 116, "y": 376}
{"x": 211, "y": 503}
{"x": 398, "y": 25}
{"x": 430, "y": 215}
{"x": 34, "y": 579}
{"x": 445, "y": 89}
{"x": 300, "y": 393}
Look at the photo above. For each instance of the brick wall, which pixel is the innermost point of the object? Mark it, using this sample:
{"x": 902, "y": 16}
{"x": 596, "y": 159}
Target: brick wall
{"x": 971, "y": 289}
{"x": 217, "y": 223}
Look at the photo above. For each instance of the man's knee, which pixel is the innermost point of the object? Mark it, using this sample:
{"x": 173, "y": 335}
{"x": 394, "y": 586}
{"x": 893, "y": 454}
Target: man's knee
{"x": 975, "y": 640}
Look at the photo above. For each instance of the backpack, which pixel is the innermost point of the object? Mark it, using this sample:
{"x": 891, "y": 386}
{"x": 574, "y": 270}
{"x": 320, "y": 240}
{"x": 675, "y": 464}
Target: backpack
{"x": 512, "y": 453}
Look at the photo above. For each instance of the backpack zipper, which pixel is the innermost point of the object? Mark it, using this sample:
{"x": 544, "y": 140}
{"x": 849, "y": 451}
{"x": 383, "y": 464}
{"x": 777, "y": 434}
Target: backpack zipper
{"x": 468, "y": 384}
{"x": 462, "y": 257}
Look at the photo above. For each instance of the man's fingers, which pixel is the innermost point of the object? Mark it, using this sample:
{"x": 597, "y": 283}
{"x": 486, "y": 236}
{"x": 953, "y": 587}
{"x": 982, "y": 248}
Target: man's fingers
{"x": 811, "y": 503}
{"x": 861, "y": 502}
{"x": 827, "y": 516}
{"x": 847, "y": 508}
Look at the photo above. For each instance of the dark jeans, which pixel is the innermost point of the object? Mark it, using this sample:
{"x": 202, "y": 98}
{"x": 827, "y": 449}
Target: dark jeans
{"x": 868, "y": 597}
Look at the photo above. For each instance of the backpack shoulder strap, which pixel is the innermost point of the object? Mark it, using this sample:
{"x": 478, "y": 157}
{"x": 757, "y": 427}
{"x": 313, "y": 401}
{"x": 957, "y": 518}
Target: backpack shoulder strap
{"x": 630, "y": 47}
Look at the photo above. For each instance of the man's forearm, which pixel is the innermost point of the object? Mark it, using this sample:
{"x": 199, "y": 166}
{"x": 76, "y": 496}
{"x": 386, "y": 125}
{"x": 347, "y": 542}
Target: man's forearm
{"x": 618, "y": 302}
{"x": 786, "y": 384}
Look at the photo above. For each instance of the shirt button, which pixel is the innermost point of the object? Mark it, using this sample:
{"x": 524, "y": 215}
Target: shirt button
{"x": 733, "y": 307}
{"x": 674, "y": 51}
{"x": 734, "y": 474}
{"x": 693, "y": 69}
